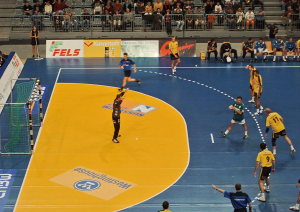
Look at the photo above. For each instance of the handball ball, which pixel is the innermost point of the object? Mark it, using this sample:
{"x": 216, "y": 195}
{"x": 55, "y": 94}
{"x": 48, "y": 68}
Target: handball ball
{"x": 230, "y": 107}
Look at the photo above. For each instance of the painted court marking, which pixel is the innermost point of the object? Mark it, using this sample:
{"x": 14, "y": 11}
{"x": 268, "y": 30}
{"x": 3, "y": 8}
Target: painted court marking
{"x": 212, "y": 138}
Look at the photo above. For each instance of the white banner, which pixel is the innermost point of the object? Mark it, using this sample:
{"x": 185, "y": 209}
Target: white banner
{"x": 64, "y": 48}
{"x": 12, "y": 71}
{"x": 141, "y": 48}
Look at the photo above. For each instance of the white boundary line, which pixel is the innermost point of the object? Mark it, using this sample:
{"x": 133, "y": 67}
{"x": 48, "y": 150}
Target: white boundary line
{"x": 212, "y": 138}
{"x": 37, "y": 140}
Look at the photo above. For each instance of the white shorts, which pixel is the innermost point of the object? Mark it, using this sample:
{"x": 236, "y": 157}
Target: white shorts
{"x": 238, "y": 122}
{"x": 260, "y": 49}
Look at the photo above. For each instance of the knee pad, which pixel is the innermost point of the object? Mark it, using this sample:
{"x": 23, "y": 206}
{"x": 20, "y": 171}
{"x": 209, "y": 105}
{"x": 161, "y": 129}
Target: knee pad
{"x": 273, "y": 141}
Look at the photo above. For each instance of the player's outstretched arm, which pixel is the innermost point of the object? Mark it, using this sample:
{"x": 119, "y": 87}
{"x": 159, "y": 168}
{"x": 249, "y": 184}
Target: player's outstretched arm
{"x": 220, "y": 190}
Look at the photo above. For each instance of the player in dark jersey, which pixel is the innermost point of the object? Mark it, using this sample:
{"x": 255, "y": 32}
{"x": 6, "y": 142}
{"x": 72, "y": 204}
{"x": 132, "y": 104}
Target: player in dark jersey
{"x": 126, "y": 64}
{"x": 116, "y": 115}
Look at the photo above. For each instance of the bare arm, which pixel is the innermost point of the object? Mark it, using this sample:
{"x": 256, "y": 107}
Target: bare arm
{"x": 256, "y": 167}
{"x": 273, "y": 170}
{"x": 134, "y": 66}
{"x": 220, "y": 190}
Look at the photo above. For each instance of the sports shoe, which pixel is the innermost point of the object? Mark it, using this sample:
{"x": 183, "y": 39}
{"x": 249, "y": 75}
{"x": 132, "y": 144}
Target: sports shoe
{"x": 294, "y": 208}
{"x": 255, "y": 60}
{"x": 298, "y": 59}
{"x": 294, "y": 59}
{"x": 242, "y": 60}
{"x": 120, "y": 89}
{"x": 256, "y": 113}
{"x": 261, "y": 111}
{"x": 245, "y": 137}
{"x": 251, "y": 101}
{"x": 293, "y": 151}
{"x": 115, "y": 140}
{"x": 251, "y": 61}
{"x": 274, "y": 59}
{"x": 262, "y": 199}
{"x": 265, "y": 60}
{"x": 234, "y": 60}
{"x": 222, "y": 60}
{"x": 267, "y": 189}
{"x": 284, "y": 59}
{"x": 139, "y": 82}
{"x": 223, "y": 133}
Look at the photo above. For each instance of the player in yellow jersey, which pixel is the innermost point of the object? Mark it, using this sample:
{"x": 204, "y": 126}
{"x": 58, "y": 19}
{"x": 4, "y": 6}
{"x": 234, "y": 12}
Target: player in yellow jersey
{"x": 298, "y": 49}
{"x": 252, "y": 69}
{"x": 257, "y": 90}
{"x": 276, "y": 122}
{"x": 173, "y": 46}
{"x": 165, "y": 206}
{"x": 266, "y": 159}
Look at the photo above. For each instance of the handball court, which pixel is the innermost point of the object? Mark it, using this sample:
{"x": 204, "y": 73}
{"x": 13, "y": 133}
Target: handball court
{"x": 171, "y": 147}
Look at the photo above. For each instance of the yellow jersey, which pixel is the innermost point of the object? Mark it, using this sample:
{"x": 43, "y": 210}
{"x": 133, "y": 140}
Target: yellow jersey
{"x": 274, "y": 120}
{"x": 257, "y": 84}
{"x": 298, "y": 44}
{"x": 252, "y": 76}
{"x": 265, "y": 157}
{"x": 173, "y": 46}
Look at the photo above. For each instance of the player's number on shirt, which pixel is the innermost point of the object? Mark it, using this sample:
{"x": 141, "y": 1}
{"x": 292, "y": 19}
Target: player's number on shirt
{"x": 268, "y": 159}
{"x": 275, "y": 119}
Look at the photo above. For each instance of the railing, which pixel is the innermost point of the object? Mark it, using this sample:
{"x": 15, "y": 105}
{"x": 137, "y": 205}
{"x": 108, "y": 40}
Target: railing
{"x": 292, "y": 22}
{"x": 139, "y": 23}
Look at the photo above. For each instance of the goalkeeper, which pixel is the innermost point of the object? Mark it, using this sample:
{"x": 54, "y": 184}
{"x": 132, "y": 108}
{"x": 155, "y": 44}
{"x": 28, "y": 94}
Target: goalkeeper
{"x": 238, "y": 116}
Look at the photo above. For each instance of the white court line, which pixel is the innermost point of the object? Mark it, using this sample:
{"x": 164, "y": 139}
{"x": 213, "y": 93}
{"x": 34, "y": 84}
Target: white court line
{"x": 37, "y": 140}
{"x": 212, "y": 138}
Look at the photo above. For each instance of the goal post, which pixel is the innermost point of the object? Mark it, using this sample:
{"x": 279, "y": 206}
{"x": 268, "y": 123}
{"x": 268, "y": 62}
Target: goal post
{"x": 21, "y": 116}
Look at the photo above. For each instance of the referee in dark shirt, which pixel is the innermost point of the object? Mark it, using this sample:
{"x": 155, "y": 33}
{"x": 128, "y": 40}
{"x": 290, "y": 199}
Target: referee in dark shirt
{"x": 239, "y": 200}
{"x": 116, "y": 115}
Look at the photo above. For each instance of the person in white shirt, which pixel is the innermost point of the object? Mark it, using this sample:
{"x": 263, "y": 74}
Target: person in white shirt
{"x": 249, "y": 16}
{"x": 48, "y": 8}
{"x": 218, "y": 10}
{"x": 98, "y": 9}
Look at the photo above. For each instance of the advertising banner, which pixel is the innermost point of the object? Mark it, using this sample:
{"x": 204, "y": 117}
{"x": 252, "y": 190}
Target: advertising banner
{"x": 102, "y": 48}
{"x": 140, "y": 48}
{"x": 12, "y": 70}
{"x": 64, "y": 48}
{"x": 186, "y": 47}
{"x": 7, "y": 177}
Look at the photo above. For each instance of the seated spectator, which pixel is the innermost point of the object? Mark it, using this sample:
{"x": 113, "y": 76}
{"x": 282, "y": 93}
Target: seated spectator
{"x": 210, "y": 8}
{"x": 27, "y": 9}
{"x": 106, "y": 20}
{"x": 158, "y": 19}
{"x": 57, "y": 21}
{"x": 290, "y": 47}
{"x": 126, "y": 6}
{"x": 148, "y": 6}
{"x": 258, "y": 2}
{"x": 187, "y": 6}
{"x": 278, "y": 46}
{"x": 236, "y": 6}
{"x": 108, "y": 8}
{"x": 165, "y": 206}
{"x": 66, "y": 22}
{"x": 117, "y": 21}
{"x": 128, "y": 17}
{"x": 117, "y": 6}
{"x": 141, "y": 9}
{"x": 260, "y": 19}
{"x": 295, "y": 5}
{"x": 248, "y": 3}
{"x": 168, "y": 22}
{"x": 226, "y": 48}
{"x": 231, "y": 19}
{"x": 247, "y": 47}
{"x": 261, "y": 48}
{"x": 37, "y": 20}
{"x": 227, "y": 7}
{"x": 287, "y": 5}
{"x": 147, "y": 18}
{"x": 287, "y": 17}
{"x": 158, "y": 5}
{"x": 180, "y": 2}
{"x": 189, "y": 16}
{"x": 38, "y": 7}
{"x": 199, "y": 18}
{"x": 74, "y": 21}
{"x": 48, "y": 8}
{"x": 85, "y": 20}
{"x": 167, "y": 6}
{"x": 249, "y": 16}
{"x": 177, "y": 8}
{"x": 210, "y": 20}
{"x": 60, "y": 6}
{"x": 212, "y": 47}
{"x": 240, "y": 19}
{"x": 178, "y": 17}
{"x": 98, "y": 8}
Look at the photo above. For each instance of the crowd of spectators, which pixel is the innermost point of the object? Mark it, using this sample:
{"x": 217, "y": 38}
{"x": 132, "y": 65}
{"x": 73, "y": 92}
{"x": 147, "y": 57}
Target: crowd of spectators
{"x": 291, "y": 13}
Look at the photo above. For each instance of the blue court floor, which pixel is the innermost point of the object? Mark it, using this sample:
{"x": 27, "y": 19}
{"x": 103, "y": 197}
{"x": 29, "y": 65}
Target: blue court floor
{"x": 202, "y": 95}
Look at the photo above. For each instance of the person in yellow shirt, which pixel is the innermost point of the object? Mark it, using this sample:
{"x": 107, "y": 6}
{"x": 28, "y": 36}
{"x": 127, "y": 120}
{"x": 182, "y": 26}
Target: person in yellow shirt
{"x": 252, "y": 69}
{"x": 276, "y": 122}
{"x": 257, "y": 90}
{"x": 148, "y": 6}
{"x": 298, "y": 49}
{"x": 174, "y": 53}
{"x": 158, "y": 5}
{"x": 165, "y": 206}
{"x": 266, "y": 159}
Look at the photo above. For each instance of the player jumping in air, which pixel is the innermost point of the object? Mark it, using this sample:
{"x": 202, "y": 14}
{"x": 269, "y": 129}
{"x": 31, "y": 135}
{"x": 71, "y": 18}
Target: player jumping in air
{"x": 238, "y": 116}
{"x": 257, "y": 90}
{"x": 126, "y": 64}
{"x": 276, "y": 122}
{"x": 116, "y": 115}
{"x": 173, "y": 46}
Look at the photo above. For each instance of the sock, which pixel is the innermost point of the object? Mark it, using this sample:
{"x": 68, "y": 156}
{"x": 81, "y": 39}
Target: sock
{"x": 283, "y": 57}
{"x": 253, "y": 98}
{"x": 175, "y": 67}
{"x": 226, "y": 132}
{"x": 294, "y": 56}
{"x": 292, "y": 147}
{"x": 246, "y": 132}
{"x": 257, "y": 110}
{"x": 263, "y": 195}
{"x": 274, "y": 57}
{"x": 261, "y": 107}
{"x": 265, "y": 57}
{"x": 255, "y": 57}
{"x": 274, "y": 151}
{"x": 297, "y": 205}
{"x": 267, "y": 187}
